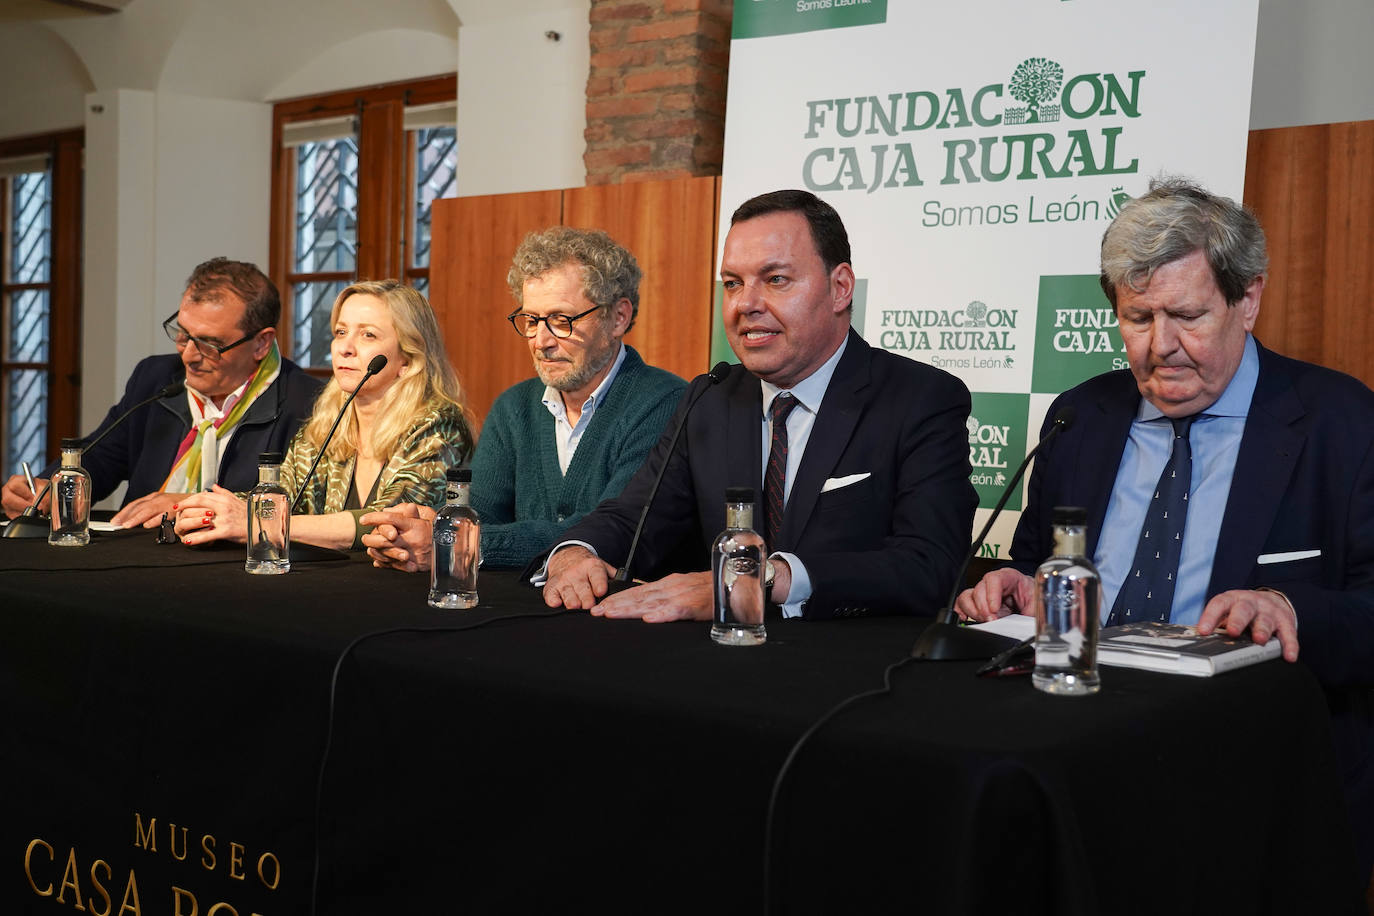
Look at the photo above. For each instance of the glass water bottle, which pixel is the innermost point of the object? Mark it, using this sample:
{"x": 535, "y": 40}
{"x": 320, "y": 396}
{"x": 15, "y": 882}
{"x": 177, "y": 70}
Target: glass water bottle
{"x": 1068, "y": 596}
{"x": 737, "y": 559}
{"x": 71, "y": 499}
{"x": 457, "y": 546}
{"x": 269, "y": 520}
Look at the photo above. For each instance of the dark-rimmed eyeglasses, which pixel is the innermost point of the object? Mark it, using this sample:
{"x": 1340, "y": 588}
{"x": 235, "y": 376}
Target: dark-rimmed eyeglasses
{"x": 527, "y": 325}
{"x": 177, "y": 335}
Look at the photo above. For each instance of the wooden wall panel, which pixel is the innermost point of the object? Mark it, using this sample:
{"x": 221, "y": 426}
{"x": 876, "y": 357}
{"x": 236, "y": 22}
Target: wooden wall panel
{"x": 472, "y": 243}
{"x": 1313, "y": 190}
{"x": 671, "y": 228}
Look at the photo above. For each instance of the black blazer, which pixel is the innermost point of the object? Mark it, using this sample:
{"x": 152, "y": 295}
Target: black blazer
{"x": 142, "y": 450}
{"x": 887, "y": 543}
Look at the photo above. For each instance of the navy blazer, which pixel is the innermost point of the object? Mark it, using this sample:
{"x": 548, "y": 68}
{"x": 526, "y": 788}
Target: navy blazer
{"x": 1304, "y": 480}
{"x": 887, "y": 543}
{"x": 142, "y": 450}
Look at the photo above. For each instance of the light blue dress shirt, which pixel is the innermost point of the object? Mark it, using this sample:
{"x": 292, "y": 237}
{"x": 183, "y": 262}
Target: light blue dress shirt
{"x": 1215, "y": 439}
{"x": 565, "y": 435}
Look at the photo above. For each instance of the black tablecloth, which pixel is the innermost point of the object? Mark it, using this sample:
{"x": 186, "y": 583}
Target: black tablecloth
{"x": 570, "y": 764}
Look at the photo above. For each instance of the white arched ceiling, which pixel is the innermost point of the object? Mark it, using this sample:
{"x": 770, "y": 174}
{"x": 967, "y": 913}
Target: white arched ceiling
{"x": 126, "y": 50}
{"x": 49, "y": 82}
{"x": 387, "y": 56}
{"x": 245, "y": 48}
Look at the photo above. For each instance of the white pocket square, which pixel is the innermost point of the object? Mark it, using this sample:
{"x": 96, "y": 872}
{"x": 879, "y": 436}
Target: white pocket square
{"x": 835, "y": 483}
{"x": 1289, "y": 557}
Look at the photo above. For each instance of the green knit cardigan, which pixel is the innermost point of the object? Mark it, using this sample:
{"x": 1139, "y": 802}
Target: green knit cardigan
{"x": 524, "y": 501}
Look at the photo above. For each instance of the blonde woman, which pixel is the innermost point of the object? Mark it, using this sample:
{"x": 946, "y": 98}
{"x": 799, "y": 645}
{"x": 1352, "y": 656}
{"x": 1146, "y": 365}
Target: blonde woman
{"x": 404, "y": 428}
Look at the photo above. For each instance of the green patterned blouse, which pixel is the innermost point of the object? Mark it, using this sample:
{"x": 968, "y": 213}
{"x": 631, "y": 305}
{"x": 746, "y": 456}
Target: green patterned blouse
{"x": 437, "y": 440}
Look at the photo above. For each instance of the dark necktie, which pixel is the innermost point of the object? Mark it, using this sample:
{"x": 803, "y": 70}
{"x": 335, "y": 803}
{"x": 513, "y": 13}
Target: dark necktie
{"x": 775, "y": 478}
{"x": 1148, "y": 592}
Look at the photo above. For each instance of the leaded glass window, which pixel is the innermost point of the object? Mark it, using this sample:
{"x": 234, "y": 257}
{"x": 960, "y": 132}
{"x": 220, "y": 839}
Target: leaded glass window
{"x": 325, "y": 241}
{"x": 435, "y": 167}
{"x": 356, "y": 177}
{"x": 25, "y": 295}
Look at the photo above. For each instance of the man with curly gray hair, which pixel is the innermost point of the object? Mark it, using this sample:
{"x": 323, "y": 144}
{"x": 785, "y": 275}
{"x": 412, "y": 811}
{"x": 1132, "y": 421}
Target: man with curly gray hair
{"x": 554, "y": 446}
{"x": 1269, "y": 463}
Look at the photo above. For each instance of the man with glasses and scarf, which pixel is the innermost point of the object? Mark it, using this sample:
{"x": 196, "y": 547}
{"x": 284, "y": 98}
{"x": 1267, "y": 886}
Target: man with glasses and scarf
{"x": 242, "y": 398}
{"x": 554, "y": 446}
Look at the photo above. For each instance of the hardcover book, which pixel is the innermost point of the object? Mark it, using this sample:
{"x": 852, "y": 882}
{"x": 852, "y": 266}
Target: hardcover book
{"x": 1177, "y": 649}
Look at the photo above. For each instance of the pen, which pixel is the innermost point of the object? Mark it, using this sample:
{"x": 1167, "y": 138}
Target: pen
{"x": 1012, "y": 661}
{"x": 28, "y": 475}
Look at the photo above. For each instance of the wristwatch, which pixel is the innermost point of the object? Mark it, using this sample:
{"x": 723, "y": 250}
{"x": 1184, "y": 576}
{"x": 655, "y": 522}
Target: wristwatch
{"x": 770, "y": 573}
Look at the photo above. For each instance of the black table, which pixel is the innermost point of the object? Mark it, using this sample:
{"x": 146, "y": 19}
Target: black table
{"x": 164, "y": 716}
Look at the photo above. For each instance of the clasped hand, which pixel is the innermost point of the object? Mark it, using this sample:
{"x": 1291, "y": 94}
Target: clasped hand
{"x": 215, "y": 515}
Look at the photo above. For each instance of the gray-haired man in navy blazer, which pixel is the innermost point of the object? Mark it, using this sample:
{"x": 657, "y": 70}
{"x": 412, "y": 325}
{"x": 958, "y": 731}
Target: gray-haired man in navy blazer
{"x": 1278, "y": 534}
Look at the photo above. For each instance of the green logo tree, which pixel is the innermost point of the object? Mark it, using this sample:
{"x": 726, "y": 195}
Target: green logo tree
{"x": 1037, "y": 80}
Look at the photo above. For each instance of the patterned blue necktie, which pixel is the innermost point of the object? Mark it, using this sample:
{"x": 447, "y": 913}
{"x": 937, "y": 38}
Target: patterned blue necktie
{"x": 1148, "y": 592}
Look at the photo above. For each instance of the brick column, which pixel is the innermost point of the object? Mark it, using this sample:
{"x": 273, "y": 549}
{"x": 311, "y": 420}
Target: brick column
{"x": 656, "y": 89}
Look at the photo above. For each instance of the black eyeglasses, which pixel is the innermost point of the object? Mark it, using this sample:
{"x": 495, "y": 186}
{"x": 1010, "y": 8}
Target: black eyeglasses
{"x": 177, "y": 335}
{"x": 527, "y": 325}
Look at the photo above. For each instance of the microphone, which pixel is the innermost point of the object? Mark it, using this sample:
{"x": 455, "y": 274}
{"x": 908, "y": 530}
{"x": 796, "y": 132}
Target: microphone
{"x": 377, "y": 365}
{"x": 622, "y": 581}
{"x": 29, "y": 524}
{"x": 177, "y": 386}
{"x": 944, "y": 639}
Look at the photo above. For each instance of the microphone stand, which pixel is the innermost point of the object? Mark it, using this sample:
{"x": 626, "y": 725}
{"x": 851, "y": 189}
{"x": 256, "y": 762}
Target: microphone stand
{"x": 377, "y": 365}
{"x": 944, "y": 639}
{"x": 622, "y": 580}
{"x": 29, "y": 524}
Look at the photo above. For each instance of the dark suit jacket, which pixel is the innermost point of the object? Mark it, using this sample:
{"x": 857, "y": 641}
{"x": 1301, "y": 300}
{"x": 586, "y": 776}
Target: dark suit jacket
{"x": 1304, "y": 480}
{"x": 889, "y": 543}
{"x": 142, "y": 450}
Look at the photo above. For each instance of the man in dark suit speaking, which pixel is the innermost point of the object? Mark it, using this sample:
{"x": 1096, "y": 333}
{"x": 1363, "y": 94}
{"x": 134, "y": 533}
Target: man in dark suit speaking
{"x": 866, "y": 452}
{"x": 1275, "y": 513}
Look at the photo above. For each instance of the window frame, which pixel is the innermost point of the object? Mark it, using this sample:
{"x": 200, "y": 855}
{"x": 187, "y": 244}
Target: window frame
{"x": 65, "y": 152}
{"x": 385, "y": 180}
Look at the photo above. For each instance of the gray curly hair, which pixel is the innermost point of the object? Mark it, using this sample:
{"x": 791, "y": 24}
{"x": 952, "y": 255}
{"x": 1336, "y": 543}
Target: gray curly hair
{"x": 609, "y": 272}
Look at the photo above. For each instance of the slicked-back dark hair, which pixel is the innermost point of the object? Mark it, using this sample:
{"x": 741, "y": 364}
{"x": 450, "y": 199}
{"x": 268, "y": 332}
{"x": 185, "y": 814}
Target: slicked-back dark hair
{"x": 242, "y": 279}
{"x": 827, "y": 229}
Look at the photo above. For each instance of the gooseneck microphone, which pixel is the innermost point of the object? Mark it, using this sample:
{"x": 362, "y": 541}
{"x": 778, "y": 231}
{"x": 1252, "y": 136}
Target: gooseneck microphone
{"x": 622, "y": 578}
{"x": 377, "y": 365}
{"x": 945, "y": 640}
{"x": 29, "y": 524}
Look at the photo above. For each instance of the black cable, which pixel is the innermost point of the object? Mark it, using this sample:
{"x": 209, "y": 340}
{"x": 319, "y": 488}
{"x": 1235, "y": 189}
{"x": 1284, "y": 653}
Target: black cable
{"x": 82, "y": 569}
{"x": 329, "y": 729}
{"x": 787, "y": 765}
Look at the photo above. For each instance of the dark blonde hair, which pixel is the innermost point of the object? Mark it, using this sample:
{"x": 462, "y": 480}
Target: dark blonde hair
{"x": 428, "y": 379}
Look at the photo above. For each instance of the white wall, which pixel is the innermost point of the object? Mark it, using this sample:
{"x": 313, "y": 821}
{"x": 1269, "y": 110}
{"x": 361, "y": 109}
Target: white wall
{"x": 1313, "y": 63}
{"x": 522, "y": 103}
{"x": 209, "y": 153}
{"x": 43, "y": 84}
{"x": 391, "y": 56}
{"x": 121, "y": 196}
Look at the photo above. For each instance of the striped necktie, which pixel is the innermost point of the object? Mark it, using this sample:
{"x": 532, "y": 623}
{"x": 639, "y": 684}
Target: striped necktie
{"x": 775, "y": 478}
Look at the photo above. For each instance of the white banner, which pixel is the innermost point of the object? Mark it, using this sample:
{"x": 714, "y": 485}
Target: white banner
{"x": 976, "y": 152}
